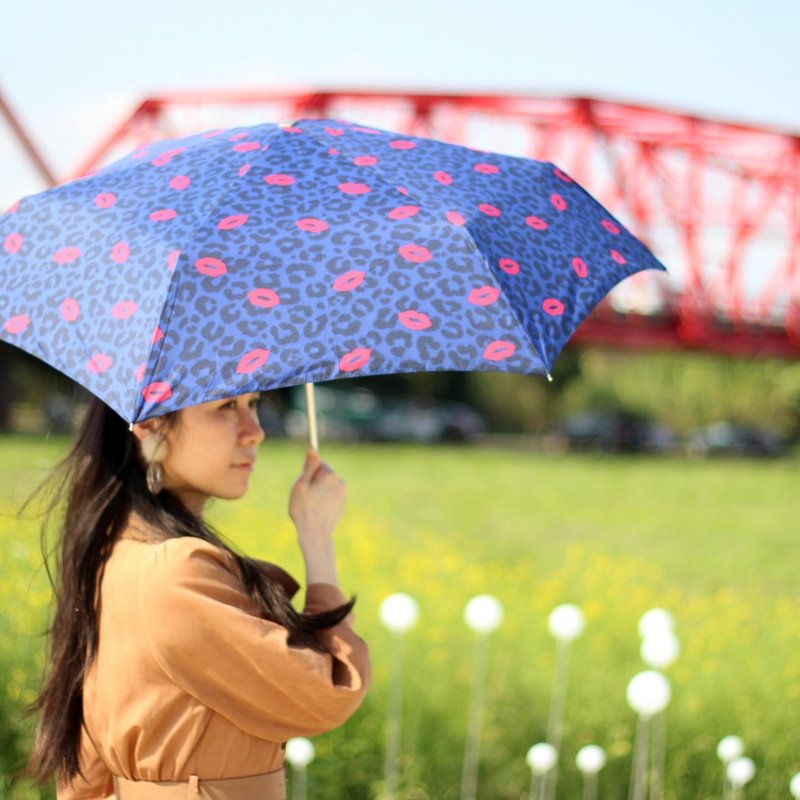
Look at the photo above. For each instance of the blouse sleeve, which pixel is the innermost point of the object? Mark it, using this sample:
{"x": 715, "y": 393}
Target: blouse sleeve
{"x": 97, "y": 782}
{"x": 205, "y": 633}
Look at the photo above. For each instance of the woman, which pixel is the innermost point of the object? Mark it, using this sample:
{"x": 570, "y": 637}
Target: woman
{"x": 177, "y": 668}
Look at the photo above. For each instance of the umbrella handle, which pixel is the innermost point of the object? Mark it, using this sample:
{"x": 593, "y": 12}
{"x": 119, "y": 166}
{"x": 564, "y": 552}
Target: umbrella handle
{"x": 311, "y": 412}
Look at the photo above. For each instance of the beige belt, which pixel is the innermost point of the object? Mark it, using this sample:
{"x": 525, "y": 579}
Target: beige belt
{"x": 267, "y": 786}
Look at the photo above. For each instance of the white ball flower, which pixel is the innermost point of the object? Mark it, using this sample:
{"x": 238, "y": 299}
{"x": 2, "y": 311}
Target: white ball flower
{"x": 541, "y": 758}
{"x": 399, "y": 612}
{"x": 648, "y": 693}
{"x": 483, "y": 613}
{"x": 794, "y": 786}
{"x": 590, "y": 759}
{"x": 741, "y": 771}
{"x": 299, "y": 752}
{"x": 729, "y": 747}
{"x": 656, "y": 620}
{"x": 660, "y": 649}
{"x": 566, "y": 622}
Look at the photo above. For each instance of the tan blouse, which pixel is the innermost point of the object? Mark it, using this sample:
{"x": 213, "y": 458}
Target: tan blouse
{"x": 188, "y": 679}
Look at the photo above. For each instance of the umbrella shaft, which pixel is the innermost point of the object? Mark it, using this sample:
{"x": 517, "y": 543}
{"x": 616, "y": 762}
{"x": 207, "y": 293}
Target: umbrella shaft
{"x": 311, "y": 411}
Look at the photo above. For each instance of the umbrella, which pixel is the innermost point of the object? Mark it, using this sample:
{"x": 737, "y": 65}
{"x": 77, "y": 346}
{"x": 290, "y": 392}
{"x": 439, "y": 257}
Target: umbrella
{"x": 255, "y": 258}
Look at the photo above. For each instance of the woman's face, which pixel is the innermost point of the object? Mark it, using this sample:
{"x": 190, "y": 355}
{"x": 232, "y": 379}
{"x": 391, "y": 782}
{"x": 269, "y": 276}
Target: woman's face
{"x": 211, "y": 450}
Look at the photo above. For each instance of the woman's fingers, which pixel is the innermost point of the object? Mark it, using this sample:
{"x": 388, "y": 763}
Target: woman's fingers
{"x": 310, "y": 465}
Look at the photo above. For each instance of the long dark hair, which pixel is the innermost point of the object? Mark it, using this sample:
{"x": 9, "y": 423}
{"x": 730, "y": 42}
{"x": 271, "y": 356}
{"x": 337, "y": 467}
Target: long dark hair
{"x": 96, "y": 488}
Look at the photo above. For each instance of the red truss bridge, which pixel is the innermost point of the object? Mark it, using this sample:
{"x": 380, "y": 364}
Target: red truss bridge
{"x": 719, "y": 203}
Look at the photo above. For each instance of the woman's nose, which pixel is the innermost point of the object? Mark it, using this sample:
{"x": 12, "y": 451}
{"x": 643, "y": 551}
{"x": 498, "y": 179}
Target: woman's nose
{"x": 251, "y": 430}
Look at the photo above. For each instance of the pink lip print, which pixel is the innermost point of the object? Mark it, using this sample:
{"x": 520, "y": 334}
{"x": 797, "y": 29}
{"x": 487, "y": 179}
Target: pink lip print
{"x": 243, "y": 170}
{"x": 487, "y": 169}
{"x": 610, "y": 226}
{"x": 455, "y": 218}
{"x": 66, "y": 255}
{"x": 365, "y": 161}
{"x": 237, "y": 136}
{"x": 489, "y": 210}
{"x": 138, "y": 373}
{"x": 536, "y": 223}
{"x": 402, "y": 144}
{"x": 618, "y": 257}
{"x": 180, "y": 182}
{"x": 562, "y": 175}
{"x": 559, "y": 203}
{"x": 157, "y": 336}
{"x": 105, "y": 199}
{"x": 444, "y": 178}
{"x": 246, "y": 147}
{"x": 263, "y": 297}
{"x": 402, "y": 190}
{"x": 332, "y": 151}
{"x": 120, "y": 252}
{"x": 348, "y": 281}
{"x": 167, "y": 156}
{"x": 172, "y": 259}
{"x": 99, "y": 363}
{"x": 13, "y": 207}
{"x": 403, "y": 212}
{"x": 156, "y": 392}
{"x": 210, "y": 266}
{"x": 483, "y": 296}
{"x": 415, "y": 253}
{"x": 234, "y": 221}
{"x": 212, "y": 134}
{"x": 579, "y": 265}
{"x": 17, "y": 324}
{"x": 13, "y": 243}
{"x": 498, "y": 350}
{"x": 355, "y": 359}
{"x": 163, "y": 214}
{"x": 553, "y": 307}
{"x": 365, "y": 130}
{"x": 354, "y": 188}
{"x": 414, "y": 320}
{"x": 509, "y": 266}
{"x": 291, "y": 129}
{"x": 252, "y": 361}
{"x": 124, "y": 309}
{"x": 70, "y": 309}
{"x": 279, "y": 179}
{"x": 312, "y": 225}
{"x": 334, "y": 131}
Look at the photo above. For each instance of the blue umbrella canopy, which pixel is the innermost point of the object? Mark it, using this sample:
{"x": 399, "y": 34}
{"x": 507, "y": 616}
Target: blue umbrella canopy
{"x": 256, "y": 258}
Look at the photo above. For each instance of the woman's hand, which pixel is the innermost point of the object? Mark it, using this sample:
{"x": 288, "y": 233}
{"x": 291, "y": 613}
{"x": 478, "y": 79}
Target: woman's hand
{"x": 316, "y": 504}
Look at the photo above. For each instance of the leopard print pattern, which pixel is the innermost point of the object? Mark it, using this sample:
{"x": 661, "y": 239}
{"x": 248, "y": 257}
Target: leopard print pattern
{"x": 257, "y": 258}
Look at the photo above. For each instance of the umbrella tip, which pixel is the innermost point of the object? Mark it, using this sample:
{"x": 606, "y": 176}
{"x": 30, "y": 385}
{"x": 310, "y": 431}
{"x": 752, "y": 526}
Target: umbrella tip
{"x": 549, "y": 377}
{"x": 130, "y": 427}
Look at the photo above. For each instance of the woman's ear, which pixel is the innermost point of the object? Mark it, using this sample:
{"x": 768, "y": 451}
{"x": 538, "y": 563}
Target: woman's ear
{"x": 151, "y": 435}
{"x": 143, "y": 430}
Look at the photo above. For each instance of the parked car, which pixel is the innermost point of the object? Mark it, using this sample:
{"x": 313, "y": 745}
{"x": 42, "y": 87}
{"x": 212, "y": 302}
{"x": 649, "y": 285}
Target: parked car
{"x": 360, "y": 415}
{"x": 733, "y": 439}
{"x": 416, "y": 420}
{"x": 615, "y": 432}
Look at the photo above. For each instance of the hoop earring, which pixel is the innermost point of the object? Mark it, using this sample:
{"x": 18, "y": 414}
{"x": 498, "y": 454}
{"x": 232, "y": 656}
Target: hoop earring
{"x": 155, "y": 477}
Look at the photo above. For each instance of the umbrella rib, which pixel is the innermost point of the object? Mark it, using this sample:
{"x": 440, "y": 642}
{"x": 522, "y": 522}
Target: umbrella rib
{"x": 391, "y": 180}
{"x": 171, "y": 296}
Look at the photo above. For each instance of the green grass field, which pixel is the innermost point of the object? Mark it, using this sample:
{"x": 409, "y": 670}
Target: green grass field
{"x": 714, "y": 542}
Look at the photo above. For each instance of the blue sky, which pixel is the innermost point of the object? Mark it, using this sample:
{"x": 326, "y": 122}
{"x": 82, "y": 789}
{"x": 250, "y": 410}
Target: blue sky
{"x": 72, "y": 70}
